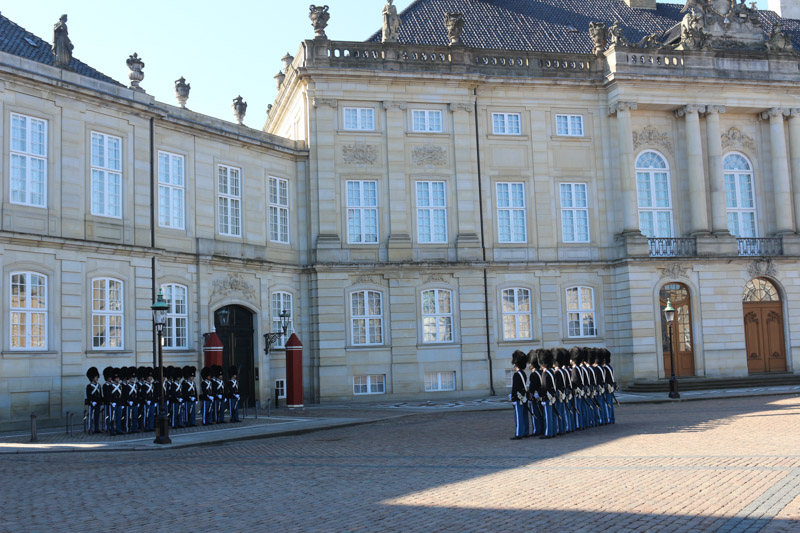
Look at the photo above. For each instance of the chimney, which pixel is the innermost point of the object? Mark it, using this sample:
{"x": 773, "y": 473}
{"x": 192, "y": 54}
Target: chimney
{"x": 788, "y": 9}
{"x": 651, "y": 4}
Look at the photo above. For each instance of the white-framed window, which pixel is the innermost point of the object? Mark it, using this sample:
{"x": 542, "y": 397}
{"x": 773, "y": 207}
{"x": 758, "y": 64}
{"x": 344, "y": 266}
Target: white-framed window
{"x": 431, "y": 212}
{"x": 655, "y": 197}
{"x": 107, "y": 314}
{"x": 509, "y": 377}
{"x": 506, "y": 123}
{"x": 279, "y": 210}
{"x": 574, "y": 212}
{"x": 740, "y": 196}
{"x": 580, "y": 312}
{"x": 28, "y": 311}
{"x": 28, "y": 161}
{"x": 106, "y": 175}
{"x": 372, "y": 384}
{"x": 279, "y": 302}
{"x": 359, "y": 118}
{"x": 511, "y": 224}
{"x": 280, "y": 388}
{"x": 516, "y": 306}
{"x": 366, "y": 317}
{"x": 362, "y": 212}
{"x": 437, "y": 316}
{"x": 176, "y": 330}
{"x": 229, "y": 200}
{"x": 426, "y": 121}
{"x": 171, "y": 191}
{"x": 440, "y": 381}
{"x": 569, "y": 125}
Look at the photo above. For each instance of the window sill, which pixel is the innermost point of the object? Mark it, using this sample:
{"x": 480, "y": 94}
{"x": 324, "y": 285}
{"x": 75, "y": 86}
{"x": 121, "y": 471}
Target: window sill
{"x": 367, "y": 347}
{"x": 576, "y": 340}
{"x": 517, "y": 342}
{"x": 185, "y": 351}
{"x": 501, "y": 137}
{"x": 108, "y": 353}
{"x": 427, "y": 134}
{"x": 22, "y": 354}
{"x": 436, "y": 345}
{"x": 570, "y": 138}
{"x": 370, "y": 133}
{"x": 18, "y": 204}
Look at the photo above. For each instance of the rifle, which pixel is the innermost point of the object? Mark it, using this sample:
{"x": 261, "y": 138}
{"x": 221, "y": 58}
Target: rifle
{"x": 555, "y": 411}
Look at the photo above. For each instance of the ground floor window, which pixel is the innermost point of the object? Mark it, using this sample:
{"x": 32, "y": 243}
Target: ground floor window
{"x": 440, "y": 381}
{"x": 280, "y": 388}
{"x": 373, "y": 384}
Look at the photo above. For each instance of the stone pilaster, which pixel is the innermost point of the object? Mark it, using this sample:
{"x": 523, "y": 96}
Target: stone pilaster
{"x": 784, "y": 218}
{"x": 466, "y": 183}
{"x": 716, "y": 178}
{"x": 399, "y": 243}
{"x": 794, "y": 144}
{"x": 630, "y": 217}
{"x": 325, "y": 159}
{"x": 697, "y": 180}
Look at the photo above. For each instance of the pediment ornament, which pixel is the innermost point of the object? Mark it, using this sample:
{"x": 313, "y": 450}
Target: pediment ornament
{"x": 650, "y": 136}
{"x": 230, "y": 284}
{"x": 734, "y": 138}
{"x": 674, "y": 270}
{"x": 360, "y": 154}
{"x": 762, "y": 267}
{"x": 429, "y": 155}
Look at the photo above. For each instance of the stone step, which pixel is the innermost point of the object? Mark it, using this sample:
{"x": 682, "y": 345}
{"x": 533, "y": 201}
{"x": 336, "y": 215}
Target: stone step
{"x": 694, "y": 383}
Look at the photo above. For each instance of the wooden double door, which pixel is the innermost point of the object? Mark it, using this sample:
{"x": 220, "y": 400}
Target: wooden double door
{"x": 680, "y": 336}
{"x": 764, "y": 337}
{"x": 238, "y": 347}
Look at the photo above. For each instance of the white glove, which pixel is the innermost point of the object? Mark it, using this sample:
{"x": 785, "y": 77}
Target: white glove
{"x": 536, "y": 395}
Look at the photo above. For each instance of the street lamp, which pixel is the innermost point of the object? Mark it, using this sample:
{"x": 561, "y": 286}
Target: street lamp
{"x": 270, "y": 338}
{"x": 160, "y": 308}
{"x": 669, "y": 313}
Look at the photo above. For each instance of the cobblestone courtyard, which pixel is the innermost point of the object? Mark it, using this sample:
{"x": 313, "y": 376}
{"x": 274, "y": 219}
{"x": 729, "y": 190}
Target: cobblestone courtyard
{"x": 713, "y": 465}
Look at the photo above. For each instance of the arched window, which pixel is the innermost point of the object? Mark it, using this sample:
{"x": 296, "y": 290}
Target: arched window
{"x": 740, "y": 196}
{"x": 107, "y": 314}
{"x": 760, "y": 290}
{"x": 28, "y": 308}
{"x": 281, "y": 301}
{"x": 516, "y": 314}
{"x": 176, "y": 334}
{"x": 655, "y": 198}
{"x": 366, "y": 317}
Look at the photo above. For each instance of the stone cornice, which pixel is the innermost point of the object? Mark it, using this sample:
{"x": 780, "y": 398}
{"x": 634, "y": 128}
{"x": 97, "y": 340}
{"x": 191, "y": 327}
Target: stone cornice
{"x": 622, "y": 106}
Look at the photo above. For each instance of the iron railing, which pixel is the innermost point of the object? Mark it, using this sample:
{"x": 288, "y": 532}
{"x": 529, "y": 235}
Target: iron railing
{"x": 661, "y": 247}
{"x": 760, "y": 247}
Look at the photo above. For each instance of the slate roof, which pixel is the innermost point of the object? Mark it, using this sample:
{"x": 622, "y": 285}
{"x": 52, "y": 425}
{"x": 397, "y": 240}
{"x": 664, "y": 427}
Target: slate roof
{"x": 18, "y": 41}
{"x": 544, "y": 25}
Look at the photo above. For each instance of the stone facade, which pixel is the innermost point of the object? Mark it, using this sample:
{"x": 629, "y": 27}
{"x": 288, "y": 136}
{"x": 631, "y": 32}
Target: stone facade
{"x": 466, "y": 126}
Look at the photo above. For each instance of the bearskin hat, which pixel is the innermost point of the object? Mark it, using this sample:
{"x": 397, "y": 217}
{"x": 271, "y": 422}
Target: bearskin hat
{"x": 115, "y": 374}
{"x": 204, "y": 373}
{"x": 575, "y": 355}
{"x": 233, "y": 371}
{"x": 193, "y": 371}
{"x": 561, "y": 356}
{"x": 148, "y": 372}
{"x": 218, "y": 372}
{"x": 546, "y": 358}
{"x": 107, "y": 373}
{"x": 92, "y": 373}
{"x": 533, "y": 359}
{"x": 606, "y": 356}
{"x": 187, "y": 372}
{"x": 520, "y": 359}
{"x": 141, "y": 373}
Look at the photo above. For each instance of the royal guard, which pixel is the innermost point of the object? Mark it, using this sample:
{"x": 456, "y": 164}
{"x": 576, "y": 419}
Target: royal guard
{"x": 232, "y": 393}
{"x": 564, "y": 391}
{"x": 599, "y": 380}
{"x": 107, "y": 412}
{"x": 189, "y": 393}
{"x": 207, "y": 396}
{"x": 94, "y": 400}
{"x": 548, "y": 393}
{"x": 519, "y": 395}
{"x": 132, "y": 401}
{"x": 219, "y": 395}
{"x": 113, "y": 396}
{"x": 534, "y": 386}
{"x": 174, "y": 395}
{"x": 576, "y": 378}
{"x": 611, "y": 384}
{"x": 149, "y": 400}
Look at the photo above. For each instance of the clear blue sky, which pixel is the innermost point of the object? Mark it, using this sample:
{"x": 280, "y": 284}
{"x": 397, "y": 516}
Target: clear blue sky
{"x": 222, "y": 49}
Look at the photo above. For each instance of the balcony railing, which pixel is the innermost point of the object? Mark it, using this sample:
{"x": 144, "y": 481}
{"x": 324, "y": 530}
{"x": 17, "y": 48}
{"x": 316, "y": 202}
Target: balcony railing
{"x": 661, "y": 247}
{"x": 760, "y": 247}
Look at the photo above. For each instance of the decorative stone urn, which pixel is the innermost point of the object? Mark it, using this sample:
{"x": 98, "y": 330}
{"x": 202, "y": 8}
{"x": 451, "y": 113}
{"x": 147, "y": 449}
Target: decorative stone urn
{"x": 239, "y": 109}
{"x": 279, "y": 77}
{"x": 136, "y": 74}
{"x": 287, "y": 62}
{"x": 319, "y": 20}
{"x": 182, "y": 91}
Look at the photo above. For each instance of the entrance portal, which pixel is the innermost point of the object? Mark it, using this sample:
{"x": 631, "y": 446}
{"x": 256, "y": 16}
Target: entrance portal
{"x": 682, "y": 339}
{"x": 763, "y": 328}
{"x": 234, "y": 325}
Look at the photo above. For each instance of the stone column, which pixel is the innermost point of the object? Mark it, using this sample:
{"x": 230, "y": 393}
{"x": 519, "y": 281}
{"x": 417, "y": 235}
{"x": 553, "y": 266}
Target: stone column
{"x": 399, "y": 243}
{"x": 784, "y": 217}
{"x": 465, "y": 185}
{"x": 697, "y": 179}
{"x": 794, "y": 144}
{"x": 716, "y": 178}
{"x": 627, "y": 177}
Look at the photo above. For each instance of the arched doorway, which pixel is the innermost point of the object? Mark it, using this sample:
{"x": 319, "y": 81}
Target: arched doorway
{"x": 682, "y": 338}
{"x": 234, "y": 325}
{"x": 763, "y": 327}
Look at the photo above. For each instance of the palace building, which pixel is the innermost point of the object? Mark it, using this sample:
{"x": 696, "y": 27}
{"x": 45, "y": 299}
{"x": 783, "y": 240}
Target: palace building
{"x": 477, "y": 177}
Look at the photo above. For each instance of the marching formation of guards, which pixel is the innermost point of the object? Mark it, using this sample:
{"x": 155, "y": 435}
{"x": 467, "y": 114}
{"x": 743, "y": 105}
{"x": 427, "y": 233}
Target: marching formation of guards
{"x": 129, "y": 399}
{"x": 566, "y": 391}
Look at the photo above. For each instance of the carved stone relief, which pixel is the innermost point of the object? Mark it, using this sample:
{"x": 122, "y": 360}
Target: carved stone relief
{"x": 734, "y": 138}
{"x": 429, "y": 155}
{"x": 762, "y": 267}
{"x": 368, "y": 280}
{"x": 436, "y": 278}
{"x": 360, "y": 154}
{"x": 651, "y": 136}
{"x": 674, "y": 271}
{"x": 232, "y": 283}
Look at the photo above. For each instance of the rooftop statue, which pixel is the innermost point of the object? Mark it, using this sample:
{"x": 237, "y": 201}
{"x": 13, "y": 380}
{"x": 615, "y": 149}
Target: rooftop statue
{"x": 779, "y": 41}
{"x": 599, "y": 34}
{"x": 455, "y": 25}
{"x": 391, "y": 23}
{"x": 725, "y": 24}
{"x": 62, "y": 46}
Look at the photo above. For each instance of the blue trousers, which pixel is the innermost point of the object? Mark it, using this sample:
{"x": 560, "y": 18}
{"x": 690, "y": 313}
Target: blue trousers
{"x": 610, "y": 401}
{"x": 116, "y": 425}
{"x": 521, "y": 419}
{"x": 578, "y": 416}
{"x": 219, "y": 410}
{"x": 564, "y": 423}
{"x": 537, "y": 422}
{"x": 208, "y": 412}
{"x": 177, "y": 421}
{"x": 133, "y": 418}
{"x": 233, "y": 406}
{"x": 191, "y": 413}
{"x": 550, "y": 421}
{"x": 149, "y": 416}
{"x": 93, "y": 417}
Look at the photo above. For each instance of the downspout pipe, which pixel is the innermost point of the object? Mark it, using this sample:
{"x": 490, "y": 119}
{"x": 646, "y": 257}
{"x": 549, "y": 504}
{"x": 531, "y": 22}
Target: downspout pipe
{"x": 153, "y": 225}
